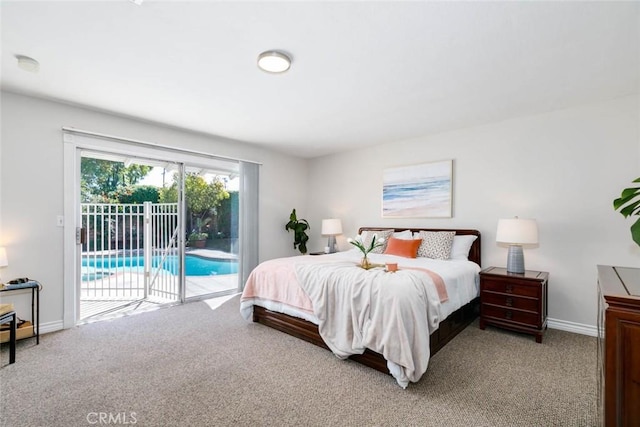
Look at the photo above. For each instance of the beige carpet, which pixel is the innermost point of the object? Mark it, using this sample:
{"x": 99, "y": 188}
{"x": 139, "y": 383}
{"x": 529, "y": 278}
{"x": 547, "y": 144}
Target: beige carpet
{"x": 191, "y": 366}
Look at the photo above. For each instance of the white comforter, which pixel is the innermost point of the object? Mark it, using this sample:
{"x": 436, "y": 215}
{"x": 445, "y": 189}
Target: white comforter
{"x": 390, "y": 313}
{"x": 276, "y": 285}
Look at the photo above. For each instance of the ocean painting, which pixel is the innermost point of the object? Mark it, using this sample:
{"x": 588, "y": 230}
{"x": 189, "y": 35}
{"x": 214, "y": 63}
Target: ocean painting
{"x": 418, "y": 191}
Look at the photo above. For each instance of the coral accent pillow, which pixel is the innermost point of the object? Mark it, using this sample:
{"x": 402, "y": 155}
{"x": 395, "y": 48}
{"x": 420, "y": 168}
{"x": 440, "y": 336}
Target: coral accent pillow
{"x": 404, "y": 248}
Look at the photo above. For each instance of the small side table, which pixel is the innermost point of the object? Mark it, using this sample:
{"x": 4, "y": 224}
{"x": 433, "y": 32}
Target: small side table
{"x": 35, "y": 304}
{"x": 514, "y": 301}
{"x": 11, "y": 318}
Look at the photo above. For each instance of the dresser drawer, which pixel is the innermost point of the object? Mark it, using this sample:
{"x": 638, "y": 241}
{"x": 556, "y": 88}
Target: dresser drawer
{"x": 511, "y": 301}
{"x": 511, "y": 315}
{"x": 510, "y": 287}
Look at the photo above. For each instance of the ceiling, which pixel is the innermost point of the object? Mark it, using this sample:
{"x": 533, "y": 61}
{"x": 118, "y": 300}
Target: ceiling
{"x": 363, "y": 73}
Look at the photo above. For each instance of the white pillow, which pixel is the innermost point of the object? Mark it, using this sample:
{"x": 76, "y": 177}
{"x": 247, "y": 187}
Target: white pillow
{"x": 436, "y": 244}
{"x": 461, "y": 246}
{"x": 403, "y": 235}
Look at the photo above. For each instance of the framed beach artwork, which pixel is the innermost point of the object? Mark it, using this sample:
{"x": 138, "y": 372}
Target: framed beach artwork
{"x": 418, "y": 191}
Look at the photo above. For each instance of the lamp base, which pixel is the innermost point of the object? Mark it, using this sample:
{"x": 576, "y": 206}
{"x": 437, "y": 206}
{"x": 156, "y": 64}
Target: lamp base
{"x": 515, "y": 259}
{"x": 332, "y": 244}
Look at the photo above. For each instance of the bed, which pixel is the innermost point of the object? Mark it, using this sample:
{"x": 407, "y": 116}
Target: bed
{"x": 290, "y": 313}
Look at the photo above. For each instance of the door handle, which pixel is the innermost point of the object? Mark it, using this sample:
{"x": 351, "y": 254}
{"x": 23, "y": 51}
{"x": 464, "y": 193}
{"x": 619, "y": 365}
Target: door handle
{"x": 81, "y": 235}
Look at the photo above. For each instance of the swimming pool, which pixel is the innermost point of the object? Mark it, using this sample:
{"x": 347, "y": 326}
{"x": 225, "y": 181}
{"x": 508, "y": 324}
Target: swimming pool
{"x": 194, "y": 265}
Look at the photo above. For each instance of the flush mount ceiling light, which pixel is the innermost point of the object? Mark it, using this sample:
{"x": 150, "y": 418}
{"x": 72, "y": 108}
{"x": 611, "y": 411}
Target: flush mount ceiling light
{"x": 273, "y": 61}
{"x": 28, "y": 64}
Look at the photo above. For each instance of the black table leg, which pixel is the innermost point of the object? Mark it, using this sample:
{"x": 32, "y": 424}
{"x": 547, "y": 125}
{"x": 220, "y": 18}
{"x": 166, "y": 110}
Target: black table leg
{"x": 12, "y": 318}
{"x": 12, "y": 338}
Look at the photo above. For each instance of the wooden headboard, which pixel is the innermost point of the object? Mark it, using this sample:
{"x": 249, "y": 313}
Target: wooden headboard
{"x": 474, "y": 252}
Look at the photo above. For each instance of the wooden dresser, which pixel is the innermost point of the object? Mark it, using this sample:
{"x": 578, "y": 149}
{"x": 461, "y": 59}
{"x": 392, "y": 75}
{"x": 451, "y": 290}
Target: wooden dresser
{"x": 514, "y": 301}
{"x": 619, "y": 345}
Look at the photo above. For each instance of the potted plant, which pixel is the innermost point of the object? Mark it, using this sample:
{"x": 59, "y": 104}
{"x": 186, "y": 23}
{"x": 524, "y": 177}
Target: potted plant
{"x": 358, "y": 243}
{"x": 299, "y": 227}
{"x": 629, "y": 204}
{"x": 197, "y": 239}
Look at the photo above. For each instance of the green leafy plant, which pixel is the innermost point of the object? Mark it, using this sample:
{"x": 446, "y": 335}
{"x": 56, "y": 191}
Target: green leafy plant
{"x": 358, "y": 243}
{"x": 629, "y": 204}
{"x": 202, "y": 198}
{"x": 197, "y": 236}
{"x": 299, "y": 227}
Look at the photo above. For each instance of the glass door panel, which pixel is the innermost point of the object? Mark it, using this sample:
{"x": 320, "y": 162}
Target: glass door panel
{"x": 211, "y": 193}
{"x": 131, "y": 247}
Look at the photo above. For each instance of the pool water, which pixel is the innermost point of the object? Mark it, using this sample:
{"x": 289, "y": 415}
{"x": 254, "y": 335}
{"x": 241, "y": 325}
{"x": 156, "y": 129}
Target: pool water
{"x": 194, "y": 265}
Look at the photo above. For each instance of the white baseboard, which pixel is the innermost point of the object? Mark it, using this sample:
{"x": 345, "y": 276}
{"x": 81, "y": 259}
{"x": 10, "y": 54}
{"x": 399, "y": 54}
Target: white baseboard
{"x": 45, "y": 328}
{"x": 577, "y": 328}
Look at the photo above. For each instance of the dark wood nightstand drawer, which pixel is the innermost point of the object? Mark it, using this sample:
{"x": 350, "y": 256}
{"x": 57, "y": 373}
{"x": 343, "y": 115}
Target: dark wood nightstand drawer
{"x": 511, "y": 315}
{"x": 510, "y": 287}
{"x": 510, "y": 301}
{"x": 516, "y": 301}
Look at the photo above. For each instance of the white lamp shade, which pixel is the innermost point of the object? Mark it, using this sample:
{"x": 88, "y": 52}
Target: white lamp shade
{"x": 331, "y": 227}
{"x": 517, "y": 231}
{"x": 3, "y": 258}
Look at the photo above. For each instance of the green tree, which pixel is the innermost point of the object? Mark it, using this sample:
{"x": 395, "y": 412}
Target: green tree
{"x": 101, "y": 180}
{"x": 139, "y": 194}
{"x": 228, "y": 215}
{"x": 202, "y": 199}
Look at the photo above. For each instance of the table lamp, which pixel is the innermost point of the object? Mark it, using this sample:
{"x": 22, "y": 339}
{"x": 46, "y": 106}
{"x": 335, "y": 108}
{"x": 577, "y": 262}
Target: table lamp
{"x": 517, "y": 232}
{"x": 331, "y": 227}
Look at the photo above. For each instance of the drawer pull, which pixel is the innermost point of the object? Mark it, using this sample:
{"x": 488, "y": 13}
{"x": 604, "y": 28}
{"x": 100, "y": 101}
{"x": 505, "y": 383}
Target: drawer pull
{"x": 509, "y": 302}
{"x": 509, "y": 288}
{"x": 508, "y": 315}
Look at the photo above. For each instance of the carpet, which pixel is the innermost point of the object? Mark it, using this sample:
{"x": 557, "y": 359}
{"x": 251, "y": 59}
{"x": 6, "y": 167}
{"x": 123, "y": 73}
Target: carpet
{"x": 189, "y": 365}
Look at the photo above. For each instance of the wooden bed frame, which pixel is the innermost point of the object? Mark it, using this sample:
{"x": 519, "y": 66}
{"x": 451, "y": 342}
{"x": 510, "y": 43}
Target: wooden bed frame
{"x": 448, "y": 329}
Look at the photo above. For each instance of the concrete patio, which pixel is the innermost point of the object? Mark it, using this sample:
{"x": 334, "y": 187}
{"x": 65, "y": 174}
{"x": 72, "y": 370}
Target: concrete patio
{"x": 113, "y": 294}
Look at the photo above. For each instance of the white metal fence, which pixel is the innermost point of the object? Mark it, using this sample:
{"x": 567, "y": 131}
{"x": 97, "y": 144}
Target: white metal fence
{"x": 130, "y": 251}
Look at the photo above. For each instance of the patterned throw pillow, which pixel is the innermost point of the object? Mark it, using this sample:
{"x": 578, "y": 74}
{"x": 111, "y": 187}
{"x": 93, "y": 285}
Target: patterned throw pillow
{"x": 367, "y": 237}
{"x": 436, "y": 244}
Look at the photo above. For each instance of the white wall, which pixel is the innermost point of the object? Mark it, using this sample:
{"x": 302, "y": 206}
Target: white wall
{"x": 31, "y": 184}
{"x": 563, "y": 168}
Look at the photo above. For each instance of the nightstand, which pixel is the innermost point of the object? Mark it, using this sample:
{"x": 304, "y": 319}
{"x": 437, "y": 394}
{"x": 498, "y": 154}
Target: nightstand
{"x": 514, "y": 301}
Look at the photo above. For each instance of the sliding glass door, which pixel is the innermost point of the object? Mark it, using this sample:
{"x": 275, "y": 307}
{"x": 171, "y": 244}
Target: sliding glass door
{"x": 155, "y": 232}
{"x": 130, "y": 239}
{"x": 149, "y": 224}
{"x": 211, "y": 195}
